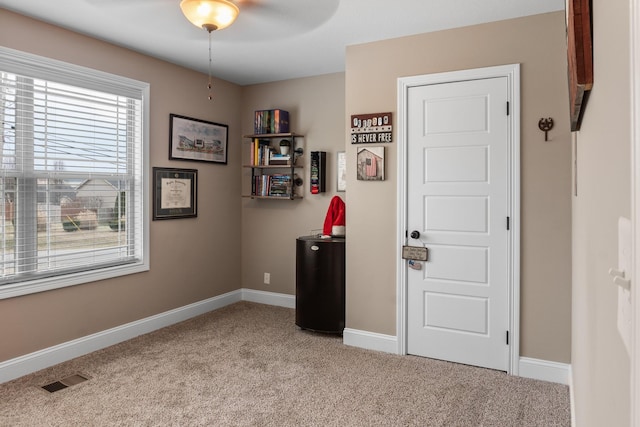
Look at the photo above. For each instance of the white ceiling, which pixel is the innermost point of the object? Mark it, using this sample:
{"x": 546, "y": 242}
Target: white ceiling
{"x": 271, "y": 39}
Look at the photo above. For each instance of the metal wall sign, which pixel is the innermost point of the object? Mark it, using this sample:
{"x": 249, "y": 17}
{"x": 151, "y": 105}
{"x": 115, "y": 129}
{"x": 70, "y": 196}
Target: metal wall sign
{"x": 371, "y": 128}
{"x": 415, "y": 253}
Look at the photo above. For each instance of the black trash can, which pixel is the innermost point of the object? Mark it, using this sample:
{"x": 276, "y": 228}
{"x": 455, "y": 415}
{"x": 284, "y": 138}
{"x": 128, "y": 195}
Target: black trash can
{"x": 320, "y": 290}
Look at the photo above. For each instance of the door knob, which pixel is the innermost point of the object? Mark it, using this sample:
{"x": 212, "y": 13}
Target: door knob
{"x": 415, "y": 234}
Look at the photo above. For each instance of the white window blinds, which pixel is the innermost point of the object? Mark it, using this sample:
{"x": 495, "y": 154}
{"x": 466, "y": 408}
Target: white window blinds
{"x": 72, "y": 173}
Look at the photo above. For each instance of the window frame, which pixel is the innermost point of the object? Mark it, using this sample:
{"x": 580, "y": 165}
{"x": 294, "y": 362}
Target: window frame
{"x": 14, "y": 61}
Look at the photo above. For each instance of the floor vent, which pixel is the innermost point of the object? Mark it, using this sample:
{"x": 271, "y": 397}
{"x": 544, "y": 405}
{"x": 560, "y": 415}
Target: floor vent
{"x": 64, "y": 383}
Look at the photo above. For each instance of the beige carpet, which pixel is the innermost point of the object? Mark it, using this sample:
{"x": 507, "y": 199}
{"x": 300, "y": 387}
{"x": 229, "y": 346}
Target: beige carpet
{"x": 249, "y": 365}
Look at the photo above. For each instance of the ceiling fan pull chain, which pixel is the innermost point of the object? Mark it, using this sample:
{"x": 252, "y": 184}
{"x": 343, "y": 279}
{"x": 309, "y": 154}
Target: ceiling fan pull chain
{"x": 210, "y": 85}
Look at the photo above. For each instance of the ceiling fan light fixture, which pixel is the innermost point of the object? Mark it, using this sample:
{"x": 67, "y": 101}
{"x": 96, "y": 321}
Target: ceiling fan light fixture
{"x": 210, "y": 14}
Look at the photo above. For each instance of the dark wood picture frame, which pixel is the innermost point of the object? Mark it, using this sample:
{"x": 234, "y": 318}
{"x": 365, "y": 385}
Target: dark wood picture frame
{"x": 175, "y": 193}
{"x": 197, "y": 140}
{"x": 579, "y": 58}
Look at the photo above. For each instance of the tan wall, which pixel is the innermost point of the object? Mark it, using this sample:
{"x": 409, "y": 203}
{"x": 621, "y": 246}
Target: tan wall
{"x": 207, "y": 249}
{"x": 191, "y": 259}
{"x": 538, "y": 44}
{"x": 270, "y": 227}
{"x": 600, "y": 364}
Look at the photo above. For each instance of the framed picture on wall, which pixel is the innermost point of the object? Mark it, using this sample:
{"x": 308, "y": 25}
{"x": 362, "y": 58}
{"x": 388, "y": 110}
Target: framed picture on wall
{"x": 342, "y": 171}
{"x": 175, "y": 193}
{"x": 370, "y": 163}
{"x": 197, "y": 140}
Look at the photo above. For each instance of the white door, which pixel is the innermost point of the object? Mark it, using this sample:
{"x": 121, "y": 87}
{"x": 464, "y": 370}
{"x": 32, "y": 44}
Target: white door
{"x": 458, "y": 202}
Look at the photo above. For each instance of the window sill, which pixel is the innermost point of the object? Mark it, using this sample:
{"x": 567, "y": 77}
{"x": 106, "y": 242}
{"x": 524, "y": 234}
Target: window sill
{"x": 50, "y": 283}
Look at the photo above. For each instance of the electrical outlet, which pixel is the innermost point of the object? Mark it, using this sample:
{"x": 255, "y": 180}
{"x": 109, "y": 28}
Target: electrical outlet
{"x": 267, "y": 278}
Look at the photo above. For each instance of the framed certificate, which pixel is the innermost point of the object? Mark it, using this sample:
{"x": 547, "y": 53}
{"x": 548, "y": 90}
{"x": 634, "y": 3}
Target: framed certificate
{"x": 175, "y": 193}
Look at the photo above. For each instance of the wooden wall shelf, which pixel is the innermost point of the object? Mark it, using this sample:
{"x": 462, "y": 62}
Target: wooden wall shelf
{"x": 580, "y": 58}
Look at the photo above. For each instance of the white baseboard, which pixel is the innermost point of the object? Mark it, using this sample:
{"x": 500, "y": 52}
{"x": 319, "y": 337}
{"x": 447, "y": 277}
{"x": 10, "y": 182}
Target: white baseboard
{"x": 370, "y": 340}
{"x": 572, "y": 401}
{"x": 544, "y": 370}
{"x": 528, "y": 367}
{"x": 269, "y": 298}
{"x": 23, "y": 365}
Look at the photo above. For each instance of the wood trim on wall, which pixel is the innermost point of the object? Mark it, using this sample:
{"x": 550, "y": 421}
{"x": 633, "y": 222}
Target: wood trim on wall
{"x": 579, "y": 58}
{"x": 635, "y": 210}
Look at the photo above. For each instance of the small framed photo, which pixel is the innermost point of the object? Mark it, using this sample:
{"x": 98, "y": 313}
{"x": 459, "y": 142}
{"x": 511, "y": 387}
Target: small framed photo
{"x": 197, "y": 140}
{"x": 342, "y": 171}
{"x": 370, "y": 164}
{"x": 175, "y": 193}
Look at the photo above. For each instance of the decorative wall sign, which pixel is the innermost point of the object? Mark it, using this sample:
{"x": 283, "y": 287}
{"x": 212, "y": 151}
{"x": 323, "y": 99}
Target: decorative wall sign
{"x": 415, "y": 253}
{"x": 371, "y": 128}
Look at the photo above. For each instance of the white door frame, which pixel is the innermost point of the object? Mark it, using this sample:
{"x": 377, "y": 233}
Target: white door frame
{"x": 635, "y": 210}
{"x": 512, "y": 73}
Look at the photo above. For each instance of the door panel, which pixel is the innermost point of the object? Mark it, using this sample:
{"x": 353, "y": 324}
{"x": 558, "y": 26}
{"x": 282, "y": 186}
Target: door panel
{"x": 457, "y": 197}
{"x": 457, "y": 263}
{"x": 440, "y": 110}
{"x": 457, "y": 164}
{"x": 456, "y": 214}
{"x": 443, "y": 311}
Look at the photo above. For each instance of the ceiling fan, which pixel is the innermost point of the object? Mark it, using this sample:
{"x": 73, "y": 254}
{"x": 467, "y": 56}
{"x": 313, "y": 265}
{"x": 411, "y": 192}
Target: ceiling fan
{"x": 257, "y": 20}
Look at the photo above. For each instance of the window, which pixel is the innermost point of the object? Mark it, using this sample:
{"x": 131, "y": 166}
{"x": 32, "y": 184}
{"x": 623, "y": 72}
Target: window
{"x": 73, "y": 174}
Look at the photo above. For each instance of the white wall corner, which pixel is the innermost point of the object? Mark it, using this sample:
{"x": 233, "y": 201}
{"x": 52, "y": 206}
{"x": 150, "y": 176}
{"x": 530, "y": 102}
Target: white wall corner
{"x": 269, "y": 298}
{"x": 544, "y": 370}
{"x": 370, "y": 340}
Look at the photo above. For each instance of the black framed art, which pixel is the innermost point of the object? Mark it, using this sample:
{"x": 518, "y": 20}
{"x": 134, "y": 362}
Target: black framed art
{"x": 175, "y": 193}
{"x": 197, "y": 140}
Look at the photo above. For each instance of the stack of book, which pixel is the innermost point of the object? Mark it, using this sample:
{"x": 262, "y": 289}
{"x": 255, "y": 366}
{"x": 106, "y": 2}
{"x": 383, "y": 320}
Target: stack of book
{"x": 277, "y": 185}
{"x": 279, "y": 159}
{"x": 271, "y": 121}
{"x": 280, "y": 185}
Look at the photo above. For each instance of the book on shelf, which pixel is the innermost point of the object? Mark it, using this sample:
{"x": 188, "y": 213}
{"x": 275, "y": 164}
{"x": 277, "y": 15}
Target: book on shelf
{"x": 280, "y": 185}
{"x": 271, "y": 121}
{"x": 260, "y": 152}
{"x": 276, "y": 185}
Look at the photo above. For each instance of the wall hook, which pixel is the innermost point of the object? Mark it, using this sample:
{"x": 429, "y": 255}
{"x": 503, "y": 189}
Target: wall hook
{"x": 545, "y": 126}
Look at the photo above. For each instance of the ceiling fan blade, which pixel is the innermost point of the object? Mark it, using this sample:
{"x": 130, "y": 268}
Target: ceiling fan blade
{"x": 274, "y": 19}
{"x": 107, "y": 3}
{"x": 258, "y": 19}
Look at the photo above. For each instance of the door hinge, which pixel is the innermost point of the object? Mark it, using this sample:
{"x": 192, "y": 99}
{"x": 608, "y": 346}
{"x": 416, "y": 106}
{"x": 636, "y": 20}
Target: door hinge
{"x": 507, "y": 337}
{"x": 507, "y": 108}
{"x": 508, "y": 223}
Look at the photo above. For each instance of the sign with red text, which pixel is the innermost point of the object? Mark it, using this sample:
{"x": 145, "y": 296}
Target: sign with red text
{"x": 371, "y": 128}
